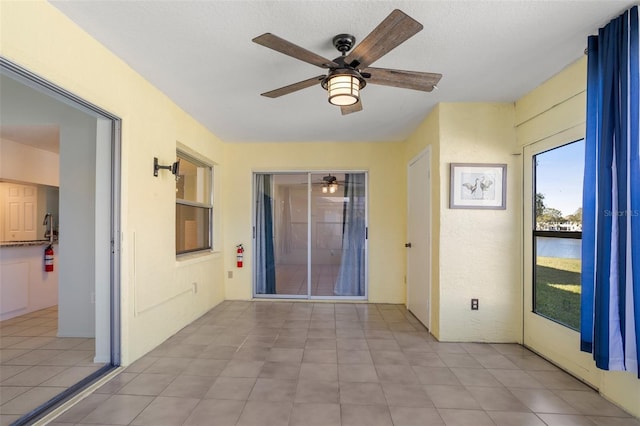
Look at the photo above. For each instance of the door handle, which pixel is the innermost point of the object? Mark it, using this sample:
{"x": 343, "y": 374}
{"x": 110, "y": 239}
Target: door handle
{"x": 408, "y": 245}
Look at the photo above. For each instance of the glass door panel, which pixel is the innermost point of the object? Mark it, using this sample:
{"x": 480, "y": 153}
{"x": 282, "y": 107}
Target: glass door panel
{"x": 281, "y": 234}
{"x": 338, "y": 235}
{"x": 291, "y": 237}
{"x": 327, "y": 208}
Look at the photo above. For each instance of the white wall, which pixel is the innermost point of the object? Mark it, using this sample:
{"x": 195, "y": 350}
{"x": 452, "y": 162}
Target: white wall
{"x": 76, "y": 314}
{"x": 20, "y": 162}
{"x": 23, "y": 106}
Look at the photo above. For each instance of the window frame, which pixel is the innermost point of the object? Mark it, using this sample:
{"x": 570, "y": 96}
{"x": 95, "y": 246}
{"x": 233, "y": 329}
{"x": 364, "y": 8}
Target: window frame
{"x": 183, "y": 155}
{"x": 576, "y": 235}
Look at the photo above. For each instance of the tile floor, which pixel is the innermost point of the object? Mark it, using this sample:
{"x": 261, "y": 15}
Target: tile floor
{"x": 292, "y": 279}
{"x": 35, "y": 365}
{"x": 324, "y": 364}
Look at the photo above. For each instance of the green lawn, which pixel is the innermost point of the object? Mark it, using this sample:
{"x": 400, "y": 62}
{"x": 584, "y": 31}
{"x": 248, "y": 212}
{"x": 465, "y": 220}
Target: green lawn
{"x": 558, "y": 290}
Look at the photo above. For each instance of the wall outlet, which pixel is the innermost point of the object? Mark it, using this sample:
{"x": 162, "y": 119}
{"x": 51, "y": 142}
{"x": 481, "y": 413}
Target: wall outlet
{"x": 474, "y": 304}
{"x": 229, "y": 274}
{"x": 194, "y": 287}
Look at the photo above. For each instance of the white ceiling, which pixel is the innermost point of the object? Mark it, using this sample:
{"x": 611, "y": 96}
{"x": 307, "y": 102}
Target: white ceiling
{"x": 200, "y": 54}
{"x": 45, "y": 136}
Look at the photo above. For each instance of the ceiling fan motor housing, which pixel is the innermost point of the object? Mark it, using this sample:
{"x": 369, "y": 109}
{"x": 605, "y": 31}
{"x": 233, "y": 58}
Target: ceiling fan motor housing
{"x": 344, "y": 42}
{"x": 347, "y": 70}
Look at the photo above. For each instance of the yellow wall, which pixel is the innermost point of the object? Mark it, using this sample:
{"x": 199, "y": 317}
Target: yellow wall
{"x": 386, "y": 198}
{"x": 156, "y": 290}
{"x": 554, "y": 108}
{"x": 477, "y": 251}
{"x": 480, "y": 256}
{"x": 551, "y": 115}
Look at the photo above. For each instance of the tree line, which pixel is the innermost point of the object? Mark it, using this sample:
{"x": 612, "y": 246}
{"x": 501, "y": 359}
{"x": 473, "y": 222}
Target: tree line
{"x": 546, "y": 214}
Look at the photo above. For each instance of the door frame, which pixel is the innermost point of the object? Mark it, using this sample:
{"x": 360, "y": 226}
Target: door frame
{"x": 110, "y": 181}
{"x": 308, "y": 296}
{"x": 424, "y": 153}
{"x": 556, "y": 342}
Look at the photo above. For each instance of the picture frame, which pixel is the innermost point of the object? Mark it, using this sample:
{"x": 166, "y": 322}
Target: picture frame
{"x": 478, "y": 186}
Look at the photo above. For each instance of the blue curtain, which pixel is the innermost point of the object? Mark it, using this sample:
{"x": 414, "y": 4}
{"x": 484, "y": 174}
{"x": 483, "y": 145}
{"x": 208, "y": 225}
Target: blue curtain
{"x": 351, "y": 276}
{"x": 610, "y": 312}
{"x": 265, "y": 259}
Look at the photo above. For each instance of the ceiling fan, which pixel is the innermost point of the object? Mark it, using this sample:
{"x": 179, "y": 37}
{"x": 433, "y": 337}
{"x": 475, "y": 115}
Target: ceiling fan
{"x": 351, "y": 72}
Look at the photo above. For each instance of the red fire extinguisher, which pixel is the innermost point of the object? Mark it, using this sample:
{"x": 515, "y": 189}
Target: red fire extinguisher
{"x": 48, "y": 258}
{"x": 239, "y": 255}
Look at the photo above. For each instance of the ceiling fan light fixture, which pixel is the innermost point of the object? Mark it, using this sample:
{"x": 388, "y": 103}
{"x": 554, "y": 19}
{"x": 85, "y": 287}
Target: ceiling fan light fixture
{"x": 329, "y": 184}
{"x": 343, "y": 86}
{"x": 330, "y": 188}
{"x": 343, "y": 90}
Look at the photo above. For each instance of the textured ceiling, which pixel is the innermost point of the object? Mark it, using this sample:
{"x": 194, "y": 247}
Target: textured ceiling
{"x": 200, "y": 54}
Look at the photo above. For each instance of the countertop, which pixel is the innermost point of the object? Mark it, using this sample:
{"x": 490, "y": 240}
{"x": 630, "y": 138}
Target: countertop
{"x": 25, "y": 243}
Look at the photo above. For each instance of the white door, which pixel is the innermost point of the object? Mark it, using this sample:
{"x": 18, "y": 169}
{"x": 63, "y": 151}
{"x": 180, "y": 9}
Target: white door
{"x": 20, "y": 210}
{"x": 419, "y": 237}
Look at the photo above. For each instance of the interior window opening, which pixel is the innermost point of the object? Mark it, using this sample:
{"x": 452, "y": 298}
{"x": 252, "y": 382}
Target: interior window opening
{"x": 194, "y": 205}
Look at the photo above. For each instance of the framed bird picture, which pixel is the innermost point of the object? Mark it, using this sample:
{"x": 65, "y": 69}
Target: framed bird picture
{"x": 478, "y": 186}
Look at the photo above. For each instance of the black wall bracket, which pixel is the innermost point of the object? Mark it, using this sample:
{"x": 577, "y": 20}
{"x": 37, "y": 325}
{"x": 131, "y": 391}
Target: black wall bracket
{"x": 174, "y": 168}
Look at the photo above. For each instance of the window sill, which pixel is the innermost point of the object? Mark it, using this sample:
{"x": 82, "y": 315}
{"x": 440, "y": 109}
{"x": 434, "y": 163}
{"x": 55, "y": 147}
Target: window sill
{"x": 201, "y": 256}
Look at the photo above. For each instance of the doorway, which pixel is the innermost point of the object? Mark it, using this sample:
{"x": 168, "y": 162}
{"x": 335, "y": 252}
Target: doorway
{"x": 310, "y": 235}
{"x": 62, "y": 324}
{"x": 553, "y": 174}
{"x": 419, "y": 237}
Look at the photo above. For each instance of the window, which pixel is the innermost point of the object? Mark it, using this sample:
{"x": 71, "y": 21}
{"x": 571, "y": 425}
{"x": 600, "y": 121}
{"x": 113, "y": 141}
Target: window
{"x": 194, "y": 205}
{"x": 557, "y": 233}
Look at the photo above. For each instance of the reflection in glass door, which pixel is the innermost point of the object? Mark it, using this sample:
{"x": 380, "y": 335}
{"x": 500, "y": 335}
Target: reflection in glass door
{"x": 281, "y": 223}
{"x": 310, "y": 235}
{"x": 338, "y": 235}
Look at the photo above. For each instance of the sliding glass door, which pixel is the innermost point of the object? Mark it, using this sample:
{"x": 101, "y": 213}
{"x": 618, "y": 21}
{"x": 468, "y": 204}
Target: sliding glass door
{"x": 552, "y": 249}
{"x": 310, "y": 235}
